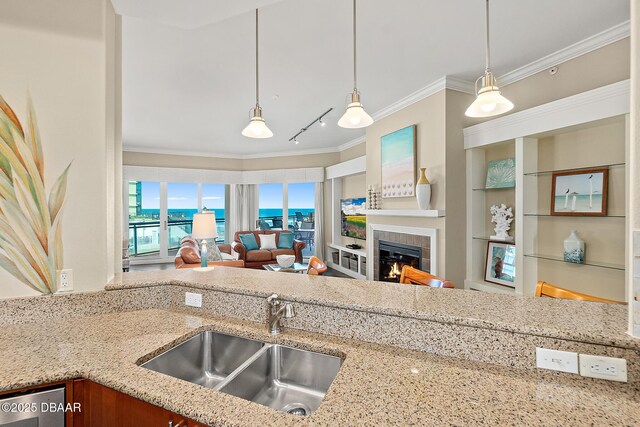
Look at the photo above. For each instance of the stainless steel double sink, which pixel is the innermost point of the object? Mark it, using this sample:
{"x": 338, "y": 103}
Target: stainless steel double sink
{"x": 283, "y": 378}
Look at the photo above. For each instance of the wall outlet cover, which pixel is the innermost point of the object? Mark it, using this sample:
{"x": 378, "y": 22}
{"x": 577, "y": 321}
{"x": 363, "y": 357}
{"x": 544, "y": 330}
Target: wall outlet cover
{"x": 65, "y": 280}
{"x": 192, "y": 299}
{"x": 556, "y": 360}
{"x": 606, "y": 368}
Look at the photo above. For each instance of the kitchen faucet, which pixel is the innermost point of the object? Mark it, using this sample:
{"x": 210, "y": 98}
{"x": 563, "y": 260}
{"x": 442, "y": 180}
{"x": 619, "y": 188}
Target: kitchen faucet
{"x": 277, "y": 310}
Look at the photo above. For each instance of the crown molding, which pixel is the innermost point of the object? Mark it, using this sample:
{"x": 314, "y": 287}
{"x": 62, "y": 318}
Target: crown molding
{"x": 445, "y": 82}
{"x": 604, "y": 38}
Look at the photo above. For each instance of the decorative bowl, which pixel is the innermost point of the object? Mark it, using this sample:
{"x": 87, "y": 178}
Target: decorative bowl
{"x": 285, "y": 261}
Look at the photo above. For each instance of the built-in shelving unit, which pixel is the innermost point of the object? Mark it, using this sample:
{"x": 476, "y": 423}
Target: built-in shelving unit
{"x": 352, "y": 262}
{"x": 585, "y": 131}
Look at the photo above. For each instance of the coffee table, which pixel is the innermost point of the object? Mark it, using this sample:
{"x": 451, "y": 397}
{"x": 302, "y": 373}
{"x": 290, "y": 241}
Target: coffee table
{"x": 297, "y": 267}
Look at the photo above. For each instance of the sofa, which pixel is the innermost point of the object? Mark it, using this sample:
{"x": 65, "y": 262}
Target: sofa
{"x": 188, "y": 255}
{"x": 259, "y": 257}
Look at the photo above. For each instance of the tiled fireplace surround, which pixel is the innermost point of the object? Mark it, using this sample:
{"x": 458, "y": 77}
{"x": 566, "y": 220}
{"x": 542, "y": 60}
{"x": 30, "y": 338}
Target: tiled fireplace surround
{"x": 424, "y": 242}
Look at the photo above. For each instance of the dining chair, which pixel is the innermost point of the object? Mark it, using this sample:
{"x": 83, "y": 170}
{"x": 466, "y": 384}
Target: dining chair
{"x": 316, "y": 266}
{"x": 544, "y": 289}
{"x": 413, "y": 276}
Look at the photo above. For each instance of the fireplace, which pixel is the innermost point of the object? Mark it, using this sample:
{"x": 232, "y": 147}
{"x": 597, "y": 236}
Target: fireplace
{"x": 393, "y": 256}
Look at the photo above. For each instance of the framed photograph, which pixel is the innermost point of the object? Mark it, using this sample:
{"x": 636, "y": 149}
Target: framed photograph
{"x": 398, "y": 158}
{"x": 580, "y": 193}
{"x": 501, "y": 264}
{"x": 501, "y": 173}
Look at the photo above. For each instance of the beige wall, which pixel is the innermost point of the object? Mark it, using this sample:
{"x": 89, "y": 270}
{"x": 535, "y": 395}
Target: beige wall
{"x": 69, "y": 75}
{"x": 353, "y": 152}
{"x": 429, "y": 116}
{"x": 455, "y": 196}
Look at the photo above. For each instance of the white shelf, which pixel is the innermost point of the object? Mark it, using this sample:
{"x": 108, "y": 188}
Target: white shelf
{"x": 359, "y": 252}
{"x": 432, "y": 213}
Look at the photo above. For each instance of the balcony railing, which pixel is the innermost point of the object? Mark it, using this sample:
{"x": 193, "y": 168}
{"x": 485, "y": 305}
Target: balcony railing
{"x": 144, "y": 236}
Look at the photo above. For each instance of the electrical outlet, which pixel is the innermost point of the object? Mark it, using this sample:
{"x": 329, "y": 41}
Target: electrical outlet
{"x": 193, "y": 300}
{"x": 606, "y": 368}
{"x": 65, "y": 280}
{"x": 556, "y": 360}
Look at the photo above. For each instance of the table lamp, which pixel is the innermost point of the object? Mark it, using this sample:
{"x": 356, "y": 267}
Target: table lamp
{"x": 204, "y": 227}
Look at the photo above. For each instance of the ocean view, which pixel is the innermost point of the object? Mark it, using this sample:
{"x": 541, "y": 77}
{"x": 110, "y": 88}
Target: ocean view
{"x": 178, "y": 214}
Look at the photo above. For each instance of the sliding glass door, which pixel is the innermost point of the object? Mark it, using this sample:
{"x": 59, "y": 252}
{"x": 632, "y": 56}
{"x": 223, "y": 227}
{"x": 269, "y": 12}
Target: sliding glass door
{"x": 289, "y": 206}
{"x": 160, "y": 214}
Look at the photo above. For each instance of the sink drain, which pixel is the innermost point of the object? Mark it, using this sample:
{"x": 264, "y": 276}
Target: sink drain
{"x": 296, "y": 409}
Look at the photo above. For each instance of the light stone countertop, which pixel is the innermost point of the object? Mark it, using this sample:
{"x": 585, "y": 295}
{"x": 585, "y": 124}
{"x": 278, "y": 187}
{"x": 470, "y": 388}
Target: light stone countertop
{"x": 377, "y": 385}
{"x": 596, "y": 323}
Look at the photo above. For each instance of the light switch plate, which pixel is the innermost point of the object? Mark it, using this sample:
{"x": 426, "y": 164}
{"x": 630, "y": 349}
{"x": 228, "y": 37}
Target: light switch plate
{"x": 192, "y": 299}
{"x": 556, "y": 360}
{"x": 606, "y": 368}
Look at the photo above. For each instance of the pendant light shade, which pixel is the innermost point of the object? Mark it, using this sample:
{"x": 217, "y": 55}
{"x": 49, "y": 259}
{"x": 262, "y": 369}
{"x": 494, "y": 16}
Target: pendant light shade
{"x": 257, "y": 128}
{"x": 355, "y": 117}
{"x": 489, "y": 102}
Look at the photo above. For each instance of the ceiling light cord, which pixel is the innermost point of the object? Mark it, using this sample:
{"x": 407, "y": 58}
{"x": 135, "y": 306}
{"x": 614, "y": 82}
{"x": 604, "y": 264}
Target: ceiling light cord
{"x": 488, "y": 45}
{"x": 257, "y": 65}
{"x": 355, "y": 64}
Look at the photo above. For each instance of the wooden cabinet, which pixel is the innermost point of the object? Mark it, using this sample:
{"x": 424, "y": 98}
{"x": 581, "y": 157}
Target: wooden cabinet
{"x": 103, "y": 406}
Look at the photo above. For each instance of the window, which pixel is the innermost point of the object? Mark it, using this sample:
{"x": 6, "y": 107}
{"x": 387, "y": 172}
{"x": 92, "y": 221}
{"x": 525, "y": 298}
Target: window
{"x": 214, "y": 199}
{"x": 270, "y": 206}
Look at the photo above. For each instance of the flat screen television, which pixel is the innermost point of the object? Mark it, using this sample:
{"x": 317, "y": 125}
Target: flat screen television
{"x": 354, "y": 220}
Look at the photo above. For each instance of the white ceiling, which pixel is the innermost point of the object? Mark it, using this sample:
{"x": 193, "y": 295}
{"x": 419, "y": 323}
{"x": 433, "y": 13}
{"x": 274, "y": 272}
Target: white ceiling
{"x": 188, "y": 71}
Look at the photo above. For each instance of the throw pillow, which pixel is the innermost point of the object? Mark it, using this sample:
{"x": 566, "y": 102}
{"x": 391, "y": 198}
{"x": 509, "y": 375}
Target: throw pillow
{"x": 249, "y": 241}
{"x": 267, "y": 241}
{"x": 187, "y": 238}
{"x": 190, "y": 255}
{"x": 285, "y": 241}
{"x": 213, "y": 253}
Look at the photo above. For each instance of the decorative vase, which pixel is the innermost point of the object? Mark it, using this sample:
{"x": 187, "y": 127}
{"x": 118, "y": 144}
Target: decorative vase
{"x": 574, "y": 248}
{"x": 423, "y": 190}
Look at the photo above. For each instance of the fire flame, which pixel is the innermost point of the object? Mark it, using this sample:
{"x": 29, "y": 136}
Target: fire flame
{"x": 395, "y": 271}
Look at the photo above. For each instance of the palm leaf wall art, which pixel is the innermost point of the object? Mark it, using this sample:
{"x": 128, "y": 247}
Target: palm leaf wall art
{"x": 30, "y": 222}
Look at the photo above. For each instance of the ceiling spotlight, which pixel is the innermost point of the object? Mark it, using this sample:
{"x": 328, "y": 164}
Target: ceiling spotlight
{"x": 318, "y": 119}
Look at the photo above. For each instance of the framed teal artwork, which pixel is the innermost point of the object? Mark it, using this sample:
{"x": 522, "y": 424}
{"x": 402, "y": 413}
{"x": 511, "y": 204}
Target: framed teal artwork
{"x": 398, "y": 158}
{"x": 501, "y": 173}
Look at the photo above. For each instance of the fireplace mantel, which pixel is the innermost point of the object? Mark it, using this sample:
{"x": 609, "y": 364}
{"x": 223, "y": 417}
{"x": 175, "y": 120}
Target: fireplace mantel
{"x": 431, "y": 213}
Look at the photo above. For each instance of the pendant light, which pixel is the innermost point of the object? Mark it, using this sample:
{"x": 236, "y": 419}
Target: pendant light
{"x": 355, "y": 116}
{"x": 488, "y": 101}
{"x": 257, "y": 128}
